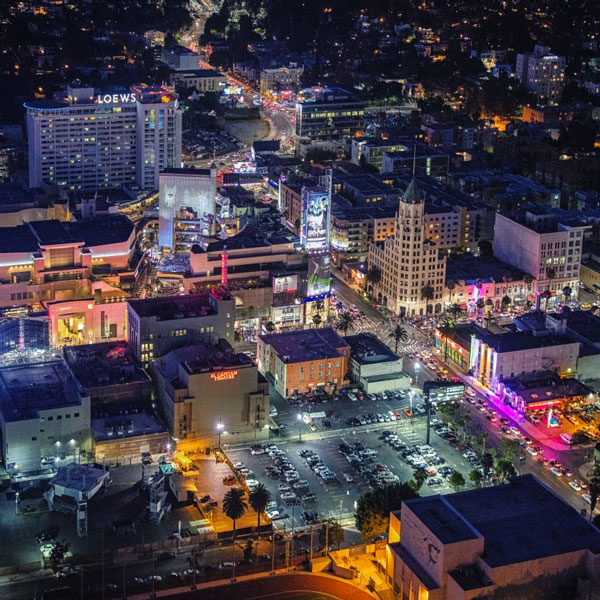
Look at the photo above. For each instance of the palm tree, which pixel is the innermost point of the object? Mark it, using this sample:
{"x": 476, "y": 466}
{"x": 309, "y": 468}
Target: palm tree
{"x": 427, "y": 294}
{"x": 259, "y": 499}
{"x": 567, "y": 291}
{"x": 447, "y": 328}
{"x": 398, "y": 334}
{"x": 419, "y": 478}
{"x": 234, "y": 506}
{"x": 455, "y": 310}
{"x": 270, "y": 326}
{"x": 450, "y": 285}
{"x": 373, "y": 276}
{"x": 345, "y": 321}
{"x": 480, "y": 305}
{"x": 550, "y": 274}
{"x": 506, "y": 302}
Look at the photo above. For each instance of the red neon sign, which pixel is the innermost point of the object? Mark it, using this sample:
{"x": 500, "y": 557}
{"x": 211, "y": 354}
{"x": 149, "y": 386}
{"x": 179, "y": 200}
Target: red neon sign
{"x": 224, "y": 375}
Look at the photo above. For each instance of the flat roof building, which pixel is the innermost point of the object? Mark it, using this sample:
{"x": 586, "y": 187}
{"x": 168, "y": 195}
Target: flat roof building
{"x": 374, "y": 366}
{"x": 42, "y": 414}
{"x": 159, "y": 325}
{"x": 299, "y": 361}
{"x": 202, "y": 385}
{"x": 513, "y": 540}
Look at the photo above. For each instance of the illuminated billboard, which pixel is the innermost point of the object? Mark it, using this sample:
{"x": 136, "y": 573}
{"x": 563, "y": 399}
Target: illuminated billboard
{"x": 315, "y": 219}
{"x": 319, "y": 281}
{"x": 190, "y": 195}
{"x": 286, "y": 283}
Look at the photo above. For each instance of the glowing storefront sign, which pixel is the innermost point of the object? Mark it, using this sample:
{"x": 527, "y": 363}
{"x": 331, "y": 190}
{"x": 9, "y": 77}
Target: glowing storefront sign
{"x": 116, "y": 98}
{"x": 224, "y": 375}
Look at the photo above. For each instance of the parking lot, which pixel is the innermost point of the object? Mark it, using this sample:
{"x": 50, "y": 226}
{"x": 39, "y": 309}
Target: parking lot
{"x": 346, "y": 478}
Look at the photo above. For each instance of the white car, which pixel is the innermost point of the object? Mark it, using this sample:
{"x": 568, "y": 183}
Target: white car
{"x": 575, "y": 485}
{"x": 284, "y": 487}
{"x": 556, "y": 471}
{"x": 288, "y": 496}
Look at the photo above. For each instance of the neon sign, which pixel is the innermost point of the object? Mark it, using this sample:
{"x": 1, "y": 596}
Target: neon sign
{"x": 114, "y": 98}
{"x": 224, "y": 375}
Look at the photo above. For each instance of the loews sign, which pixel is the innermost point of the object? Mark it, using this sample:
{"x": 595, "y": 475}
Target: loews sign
{"x": 116, "y": 98}
{"x": 224, "y": 375}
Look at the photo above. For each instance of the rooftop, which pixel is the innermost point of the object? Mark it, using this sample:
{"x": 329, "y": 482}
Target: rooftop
{"x": 500, "y": 512}
{"x": 306, "y": 345}
{"x": 124, "y": 426}
{"x": 470, "y": 268}
{"x": 367, "y": 349}
{"x": 104, "y": 364}
{"x": 513, "y": 341}
{"x": 169, "y": 308}
{"x": 78, "y": 477}
{"x": 29, "y": 389}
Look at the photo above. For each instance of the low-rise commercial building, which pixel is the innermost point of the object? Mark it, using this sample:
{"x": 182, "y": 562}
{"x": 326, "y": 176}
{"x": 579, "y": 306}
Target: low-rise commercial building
{"x": 42, "y": 414}
{"x": 516, "y": 540}
{"x": 330, "y": 113}
{"x": 210, "y": 395}
{"x": 374, "y": 366}
{"x": 302, "y": 361}
{"x": 284, "y": 77}
{"x": 202, "y": 80}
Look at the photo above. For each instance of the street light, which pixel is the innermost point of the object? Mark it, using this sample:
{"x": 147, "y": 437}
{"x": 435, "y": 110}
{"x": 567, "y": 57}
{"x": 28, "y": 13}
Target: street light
{"x": 220, "y": 428}
{"x": 417, "y": 369}
{"x": 299, "y": 417}
{"x": 410, "y": 396}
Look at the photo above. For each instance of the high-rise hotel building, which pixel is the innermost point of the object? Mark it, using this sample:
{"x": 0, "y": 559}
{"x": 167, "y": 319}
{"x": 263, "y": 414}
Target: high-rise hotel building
{"x": 90, "y": 142}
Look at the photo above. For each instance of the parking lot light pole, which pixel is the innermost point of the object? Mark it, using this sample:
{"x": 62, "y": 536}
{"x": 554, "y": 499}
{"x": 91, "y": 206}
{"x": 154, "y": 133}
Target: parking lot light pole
{"x": 220, "y": 427}
{"x": 411, "y": 394}
{"x": 299, "y": 417}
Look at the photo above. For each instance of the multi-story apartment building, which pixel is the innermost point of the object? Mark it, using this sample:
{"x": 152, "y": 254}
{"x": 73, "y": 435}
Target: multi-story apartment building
{"x": 410, "y": 264}
{"x": 330, "y": 113}
{"x": 284, "y": 77}
{"x": 370, "y": 151}
{"x": 542, "y": 244}
{"x": 90, "y": 142}
{"x": 542, "y": 73}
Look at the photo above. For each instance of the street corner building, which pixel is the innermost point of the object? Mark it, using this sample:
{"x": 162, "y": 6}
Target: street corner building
{"x": 516, "y": 540}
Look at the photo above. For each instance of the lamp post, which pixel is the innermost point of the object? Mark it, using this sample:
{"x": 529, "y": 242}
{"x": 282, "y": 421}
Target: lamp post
{"x": 411, "y": 394}
{"x": 299, "y": 417}
{"x": 220, "y": 428}
{"x": 417, "y": 369}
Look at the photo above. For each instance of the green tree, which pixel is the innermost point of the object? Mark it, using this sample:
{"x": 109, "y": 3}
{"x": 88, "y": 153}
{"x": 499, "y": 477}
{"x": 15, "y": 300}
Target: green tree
{"x": 58, "y": 553}
{"x": 447, "y": 329}
{"x": 506, "y": 302}
{"x": 481, "y": 441}
{"x": 455, "y": 311}
{"x": 427, "y": 294}
{"x": 381, "y": 501}
{"x": 234, "y": 506}
{"x": 456, "y": 480}
{"x": 476, "y": 476}
{"x": 345, "y": 322}
{"x": 331, "y": 533}
{"x": 450, "y": 286}
{"x": 487, "y": 462}
{"x": 373, "y": 276}
{"x": 567, "y": 291}
{"x": 270, "y": 326}
{"x": 419, "y": 478}
{"x": 316, "y": 319}
{"x": 398, "y": 334}
{"x": 259, "y": 499}
{"x": 373, "y": 527}
{"x": 504, "y": 470}
{"x": 509, "y": 449}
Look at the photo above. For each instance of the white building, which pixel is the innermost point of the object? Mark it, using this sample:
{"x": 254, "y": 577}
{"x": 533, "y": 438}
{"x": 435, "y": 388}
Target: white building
{"x": 187, "y": 207}
{"x": 409, "y": 263}
{"x": 90, "y": 142}
{"x": 281, "y": 78}
{"x": 542, "y": 73}
{"x": 202, "y": 80}
{"x": 42, "y": 414}
{"x": 540, "y": 244}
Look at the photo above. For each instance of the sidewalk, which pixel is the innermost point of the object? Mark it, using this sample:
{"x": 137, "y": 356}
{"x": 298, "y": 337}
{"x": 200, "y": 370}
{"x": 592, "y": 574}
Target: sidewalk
{"x": 531, "y": 431}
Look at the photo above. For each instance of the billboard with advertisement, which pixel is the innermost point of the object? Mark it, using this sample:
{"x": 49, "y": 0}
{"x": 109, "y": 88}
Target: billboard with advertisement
{"x": 319, "y": 281}
{"x": 285, "y": 283}
{"x": 315, "y": 219}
